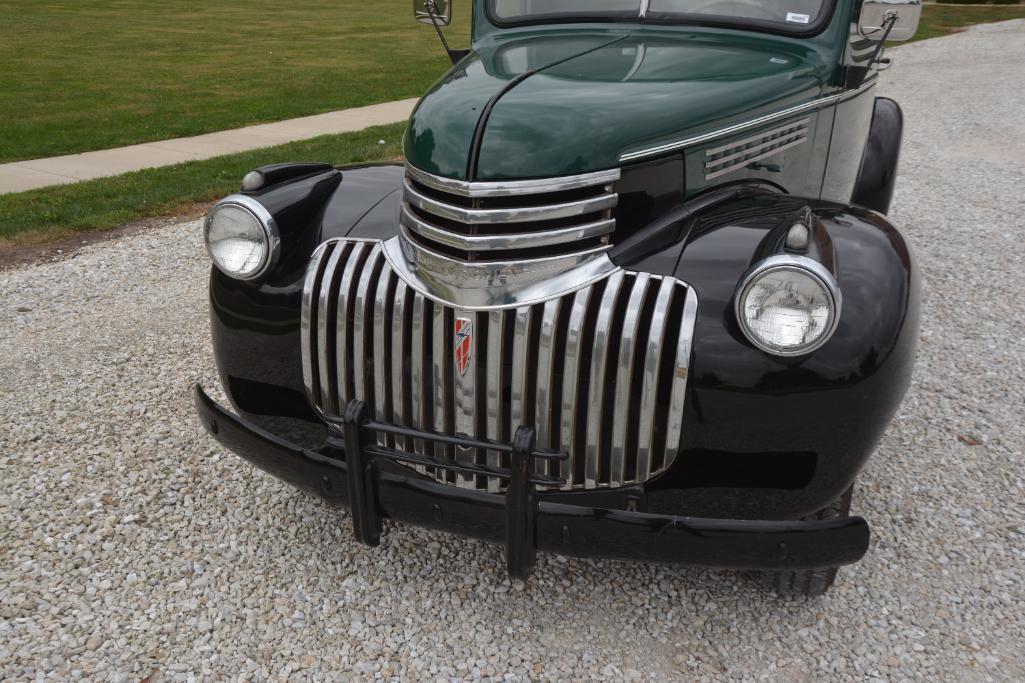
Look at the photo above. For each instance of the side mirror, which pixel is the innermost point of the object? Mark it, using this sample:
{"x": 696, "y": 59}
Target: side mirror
{"x": 442, "y": 10}
{"x": 876, "y": 15}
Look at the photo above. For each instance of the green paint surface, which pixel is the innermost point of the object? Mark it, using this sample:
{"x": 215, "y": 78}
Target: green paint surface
{"x": 646, "y": 89}
{"x": 442, "y": 127}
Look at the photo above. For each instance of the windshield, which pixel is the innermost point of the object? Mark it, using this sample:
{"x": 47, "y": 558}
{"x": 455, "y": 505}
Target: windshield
{"x": 789, "y": 15}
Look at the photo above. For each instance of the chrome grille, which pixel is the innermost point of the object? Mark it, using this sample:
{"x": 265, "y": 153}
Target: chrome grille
{"x": 599, "y": 372}
{"x": 487, "y": 221}
{"x": 736, "y": 155}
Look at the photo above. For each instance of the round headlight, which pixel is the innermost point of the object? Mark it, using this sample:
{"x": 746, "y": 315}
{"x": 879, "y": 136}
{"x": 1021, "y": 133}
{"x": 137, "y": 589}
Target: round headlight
{"x": 788, "y": 305}
{"x": 241, "y": 237}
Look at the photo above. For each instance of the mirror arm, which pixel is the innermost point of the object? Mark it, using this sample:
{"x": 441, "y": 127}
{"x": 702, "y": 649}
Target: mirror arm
{"x": 891, "y": 21}
{"x": 856, "y": 75}
{"x": 429, "y": 6}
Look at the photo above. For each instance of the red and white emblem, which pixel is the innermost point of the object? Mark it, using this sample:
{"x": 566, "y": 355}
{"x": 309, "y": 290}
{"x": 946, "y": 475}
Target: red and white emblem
{"x": 464, "y": 344}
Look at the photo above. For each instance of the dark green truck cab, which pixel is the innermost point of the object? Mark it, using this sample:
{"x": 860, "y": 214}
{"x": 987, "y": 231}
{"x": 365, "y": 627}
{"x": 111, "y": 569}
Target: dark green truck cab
{"x": 632, "y": 294}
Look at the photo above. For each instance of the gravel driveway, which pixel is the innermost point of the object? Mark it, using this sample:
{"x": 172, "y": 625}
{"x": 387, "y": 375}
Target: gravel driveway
{"x": 133, "y": 545}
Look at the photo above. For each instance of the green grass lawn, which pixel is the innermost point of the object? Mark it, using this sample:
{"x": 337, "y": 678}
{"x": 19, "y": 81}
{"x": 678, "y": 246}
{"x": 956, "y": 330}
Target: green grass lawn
{"x": 939, "y": 20}
{"x": 92, "y": 74}
{"x": 55, "y": 212}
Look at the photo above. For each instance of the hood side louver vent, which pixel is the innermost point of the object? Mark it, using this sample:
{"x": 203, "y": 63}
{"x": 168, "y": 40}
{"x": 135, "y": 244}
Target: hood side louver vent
{"x": 736, "y": 155}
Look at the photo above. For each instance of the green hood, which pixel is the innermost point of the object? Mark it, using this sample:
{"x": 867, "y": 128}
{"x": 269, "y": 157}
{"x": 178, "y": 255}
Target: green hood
{"x": 574, "y": 102}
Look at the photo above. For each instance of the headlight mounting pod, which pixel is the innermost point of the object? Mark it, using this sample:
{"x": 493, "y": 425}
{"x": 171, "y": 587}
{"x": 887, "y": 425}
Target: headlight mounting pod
{"x": 241, "y": 237}
{"x": 788, "y": 305}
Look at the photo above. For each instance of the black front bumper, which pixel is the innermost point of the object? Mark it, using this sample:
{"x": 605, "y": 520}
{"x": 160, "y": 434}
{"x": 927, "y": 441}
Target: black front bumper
{"x": 525, "y": 520}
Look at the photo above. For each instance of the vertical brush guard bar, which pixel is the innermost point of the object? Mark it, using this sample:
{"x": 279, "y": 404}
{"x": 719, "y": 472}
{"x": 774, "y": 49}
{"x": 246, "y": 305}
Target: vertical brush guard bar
{"x": 364, "y": 442}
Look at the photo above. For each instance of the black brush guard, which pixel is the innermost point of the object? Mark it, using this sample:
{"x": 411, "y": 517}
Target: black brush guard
{"x": 353, "y": 469}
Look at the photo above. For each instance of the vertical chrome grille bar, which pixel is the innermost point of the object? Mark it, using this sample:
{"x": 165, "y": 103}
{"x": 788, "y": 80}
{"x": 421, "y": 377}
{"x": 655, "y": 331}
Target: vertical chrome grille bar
{"x": 364, "y": 294}
{"x": 545, "y": 429}
{"x": 382, "y": 355}
{"x": 520, "y": 366}
{"x": 306, "y": 320}
{"x": 599, "y": 370}
{"x": 649, "y": 386}
{"x": 400, "y": 354}
{"x": 570, "y": 375}
{"x": 325, "y": 352}
{"x": 495, "y": 407}
{"x": 678, "y": 393}
{"x": 345, "y": 297}
{"x": 418, "y": 373}
{"x": 465, "y": 392}
{"x": 624, "y": 377}
{"x": 438, "y": 368}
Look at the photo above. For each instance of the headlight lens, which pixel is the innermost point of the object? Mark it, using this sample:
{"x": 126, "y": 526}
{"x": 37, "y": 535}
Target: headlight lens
{"x": 788, "y": 305}
{"x": 241, "y": 237}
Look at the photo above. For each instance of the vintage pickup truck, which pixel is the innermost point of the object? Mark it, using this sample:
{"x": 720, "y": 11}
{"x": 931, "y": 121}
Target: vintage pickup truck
{"x": 632, "y": 293}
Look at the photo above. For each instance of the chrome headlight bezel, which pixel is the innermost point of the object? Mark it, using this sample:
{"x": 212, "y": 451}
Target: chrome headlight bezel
{"x": 268, "y": 227}
{"x": 806, "y": 266}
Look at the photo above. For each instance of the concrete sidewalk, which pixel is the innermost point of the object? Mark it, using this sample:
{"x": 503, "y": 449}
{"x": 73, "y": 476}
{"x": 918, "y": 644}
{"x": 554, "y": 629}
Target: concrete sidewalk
{"x": 19, "y": 176}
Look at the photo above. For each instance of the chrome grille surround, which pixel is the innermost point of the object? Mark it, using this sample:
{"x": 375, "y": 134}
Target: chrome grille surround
{"x": 599, "y": 369}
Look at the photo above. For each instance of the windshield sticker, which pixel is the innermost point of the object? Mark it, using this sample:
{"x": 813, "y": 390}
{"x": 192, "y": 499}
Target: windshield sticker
{"x": 796, "y": 18}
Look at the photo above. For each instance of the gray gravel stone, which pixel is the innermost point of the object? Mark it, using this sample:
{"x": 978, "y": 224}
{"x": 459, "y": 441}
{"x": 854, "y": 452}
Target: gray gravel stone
{"x": 133, "y": 545}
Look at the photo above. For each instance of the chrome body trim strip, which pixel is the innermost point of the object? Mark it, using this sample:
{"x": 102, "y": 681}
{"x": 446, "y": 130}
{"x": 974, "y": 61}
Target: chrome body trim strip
{"x": 506, "y": 188}
{"x": 514, "y": 240}
{"x": 746, "y": 125}
{"x": 519, "y": 214}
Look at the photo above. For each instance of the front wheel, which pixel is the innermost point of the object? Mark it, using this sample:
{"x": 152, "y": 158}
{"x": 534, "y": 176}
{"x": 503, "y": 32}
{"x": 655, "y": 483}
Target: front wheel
{"x": 811, "y": 582}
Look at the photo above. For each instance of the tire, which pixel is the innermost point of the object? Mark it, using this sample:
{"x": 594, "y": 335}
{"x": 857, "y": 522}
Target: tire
{"x": 810, "y": 583}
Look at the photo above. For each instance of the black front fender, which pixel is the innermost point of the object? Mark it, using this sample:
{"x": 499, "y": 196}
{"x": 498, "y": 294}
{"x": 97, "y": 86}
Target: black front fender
{"x": 256, "y": 325}
{"x": 797, "y": 430}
